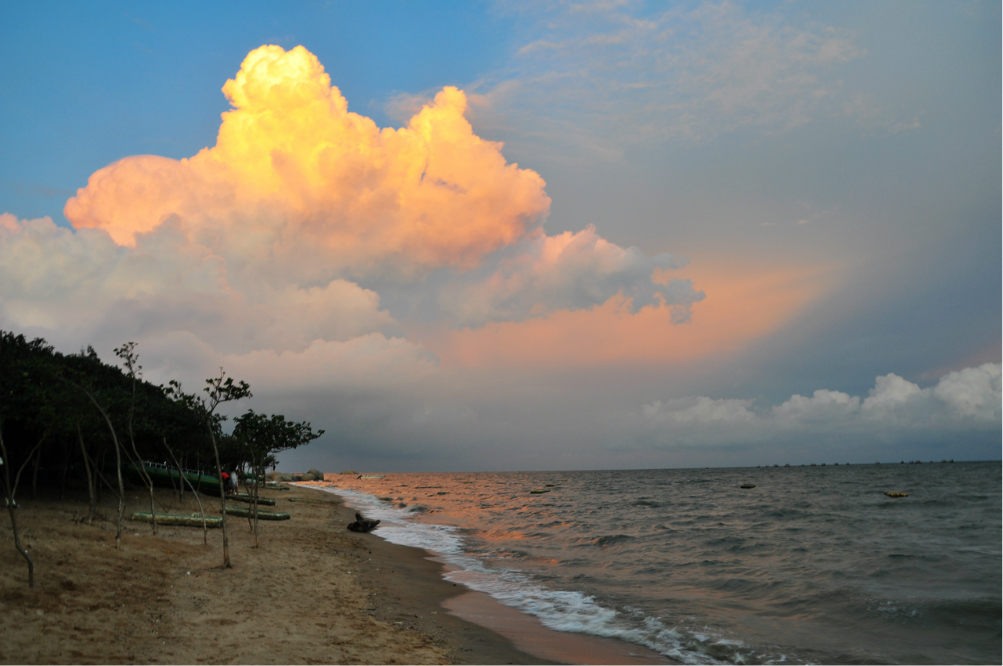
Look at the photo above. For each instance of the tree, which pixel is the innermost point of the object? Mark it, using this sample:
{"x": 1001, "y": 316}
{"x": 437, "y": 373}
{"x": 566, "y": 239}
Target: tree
{"x": 130, "y": 359}
{"x": 218, "y": 390}
{"x": 15, "y": 373}
{"x": 91, "y": 371}
{"x": 263, "y": 437}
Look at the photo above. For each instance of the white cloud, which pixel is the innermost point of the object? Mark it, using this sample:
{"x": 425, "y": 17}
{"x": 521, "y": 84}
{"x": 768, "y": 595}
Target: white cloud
{"x": 823, "y": 406}
{"x": 568, "y": 271}
{"x": 615, "y": 72}
{"x": 699, "y": 410}
{"x": 972, "y": 392}
{"x": 962, "y": 401}
{"x": 60, "y": 283}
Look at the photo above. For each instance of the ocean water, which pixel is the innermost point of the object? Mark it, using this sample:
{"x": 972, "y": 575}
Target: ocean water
{"x": 813, "y": 565}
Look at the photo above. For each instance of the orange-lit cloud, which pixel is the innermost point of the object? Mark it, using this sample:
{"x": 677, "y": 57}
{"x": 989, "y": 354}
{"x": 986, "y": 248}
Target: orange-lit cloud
{"x": 259, "y": 244}
{"x": 567, "y": 271}
{"x": 292, "y": 168}
{"x": 743, "y": 304}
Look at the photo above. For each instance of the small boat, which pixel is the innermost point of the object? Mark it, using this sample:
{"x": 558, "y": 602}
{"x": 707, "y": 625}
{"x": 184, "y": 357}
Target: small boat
{"x": 167, "y": 477}
{"x": 193, "y": 520}
{"x": 896, "y": 493}
{"x": 539, "y": 491}
{"x": 747, "y": 485}
{"x": 371, "y": 476}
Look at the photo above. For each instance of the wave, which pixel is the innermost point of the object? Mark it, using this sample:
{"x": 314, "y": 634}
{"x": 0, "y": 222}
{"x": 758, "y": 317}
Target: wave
{"x": 560, "y": 610}
{"x": 612, "y": 539}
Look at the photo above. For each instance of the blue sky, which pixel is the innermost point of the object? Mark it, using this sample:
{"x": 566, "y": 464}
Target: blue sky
{"x": 821, "y": 182}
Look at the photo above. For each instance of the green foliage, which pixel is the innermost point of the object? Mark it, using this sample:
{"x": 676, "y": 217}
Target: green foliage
{"x": 43, "y": 397}
{"x": 264, "y": 436}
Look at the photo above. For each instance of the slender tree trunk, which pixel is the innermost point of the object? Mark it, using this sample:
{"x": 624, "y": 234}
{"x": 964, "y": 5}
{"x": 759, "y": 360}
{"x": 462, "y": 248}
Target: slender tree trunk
{"x": 138, "y": 464}
{"x": 257, "y": 486}
{"x": 222, "y": 501}
{"x": 205, "y": 528}
{"x": 198, "y": 466}
{"x": 181, "y": 470}
{"x": 170, "y": 475}
{"x": 118, "y": 468}
{"x": 34, "y": 473}
{"x": 96, "y": 464}
{"x": 66, "y": 465}
{"x": 102, "y": 479}
{"x": 13, "y": 518}
{"x": 147, "y": 481}
{"x": 17, "y": 478}
{"x": 90, "y": 479}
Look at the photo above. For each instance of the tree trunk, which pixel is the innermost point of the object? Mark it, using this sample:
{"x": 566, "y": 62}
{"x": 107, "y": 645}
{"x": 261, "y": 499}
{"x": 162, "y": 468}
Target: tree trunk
{"x": 181, "y": 482}
{"x": 118, "y": 469}
{"x": 66, "y": 465}
{"x": 34, "y": 473}
{"x": 17, "y": 478}
{"x": 222, "y": 501}
{"x": 205, "y": 528}
{"x": 138, "y": 464}
{"x": 257, "y": 485}
{"x": 182, "y": 463}
{"x": 90, "y": 479}
{"x": 13, "y": 518}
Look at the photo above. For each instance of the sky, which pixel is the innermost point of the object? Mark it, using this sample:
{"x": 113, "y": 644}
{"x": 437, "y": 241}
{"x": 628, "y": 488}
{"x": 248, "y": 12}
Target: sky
{"x": 524, "y": 235}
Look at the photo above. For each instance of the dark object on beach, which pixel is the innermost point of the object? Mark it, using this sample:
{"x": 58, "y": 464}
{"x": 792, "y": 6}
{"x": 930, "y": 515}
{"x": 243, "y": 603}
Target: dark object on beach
{"x": 896, "y": 493}
{"x": 539, "y": 491}
{"x": 747, "y": 485}
{"x": 362, "y": 524}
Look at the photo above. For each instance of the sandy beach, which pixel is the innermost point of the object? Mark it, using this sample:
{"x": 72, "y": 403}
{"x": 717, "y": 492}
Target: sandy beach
{"x": 312, "y": 593}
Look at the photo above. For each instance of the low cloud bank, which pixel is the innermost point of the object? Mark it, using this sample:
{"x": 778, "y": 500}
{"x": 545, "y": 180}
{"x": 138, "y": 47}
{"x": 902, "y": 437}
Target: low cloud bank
{"x": 965, "y": 401}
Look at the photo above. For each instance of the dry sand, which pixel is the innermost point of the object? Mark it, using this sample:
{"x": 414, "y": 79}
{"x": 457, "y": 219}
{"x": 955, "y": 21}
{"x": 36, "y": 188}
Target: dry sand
{"x": 313, "y": 593}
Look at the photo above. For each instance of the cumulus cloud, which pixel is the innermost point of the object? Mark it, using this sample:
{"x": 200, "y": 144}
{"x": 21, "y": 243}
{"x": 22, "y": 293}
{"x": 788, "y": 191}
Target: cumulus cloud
{"x": 58, "y": 282}
{"x": 966, "y": 400}
{"x": 301, "y": 201}
{"x": 568, "y": 271}
{"x": 275, "y": 252}
{"x": 295, "y": 175}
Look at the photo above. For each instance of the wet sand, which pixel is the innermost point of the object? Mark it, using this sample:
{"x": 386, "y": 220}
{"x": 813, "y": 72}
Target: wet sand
{"x": 525, "y": 632}
{"x": 312, "y": 593}
{"x": 528, "y": 635}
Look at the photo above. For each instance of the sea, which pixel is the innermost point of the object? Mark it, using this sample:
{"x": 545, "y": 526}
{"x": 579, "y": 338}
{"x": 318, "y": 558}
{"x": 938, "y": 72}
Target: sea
{"x": 814, "y": 564}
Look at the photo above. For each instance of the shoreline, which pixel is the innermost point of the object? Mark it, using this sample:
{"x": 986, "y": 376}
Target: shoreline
{"x": 313, "y": 593}
{"x": 525, "y": 632}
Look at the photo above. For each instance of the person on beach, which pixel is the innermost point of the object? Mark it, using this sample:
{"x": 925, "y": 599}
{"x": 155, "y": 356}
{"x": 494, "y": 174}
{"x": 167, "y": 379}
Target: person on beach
{"x": 226, "y": 482}
{"x": 235, "y": 482}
